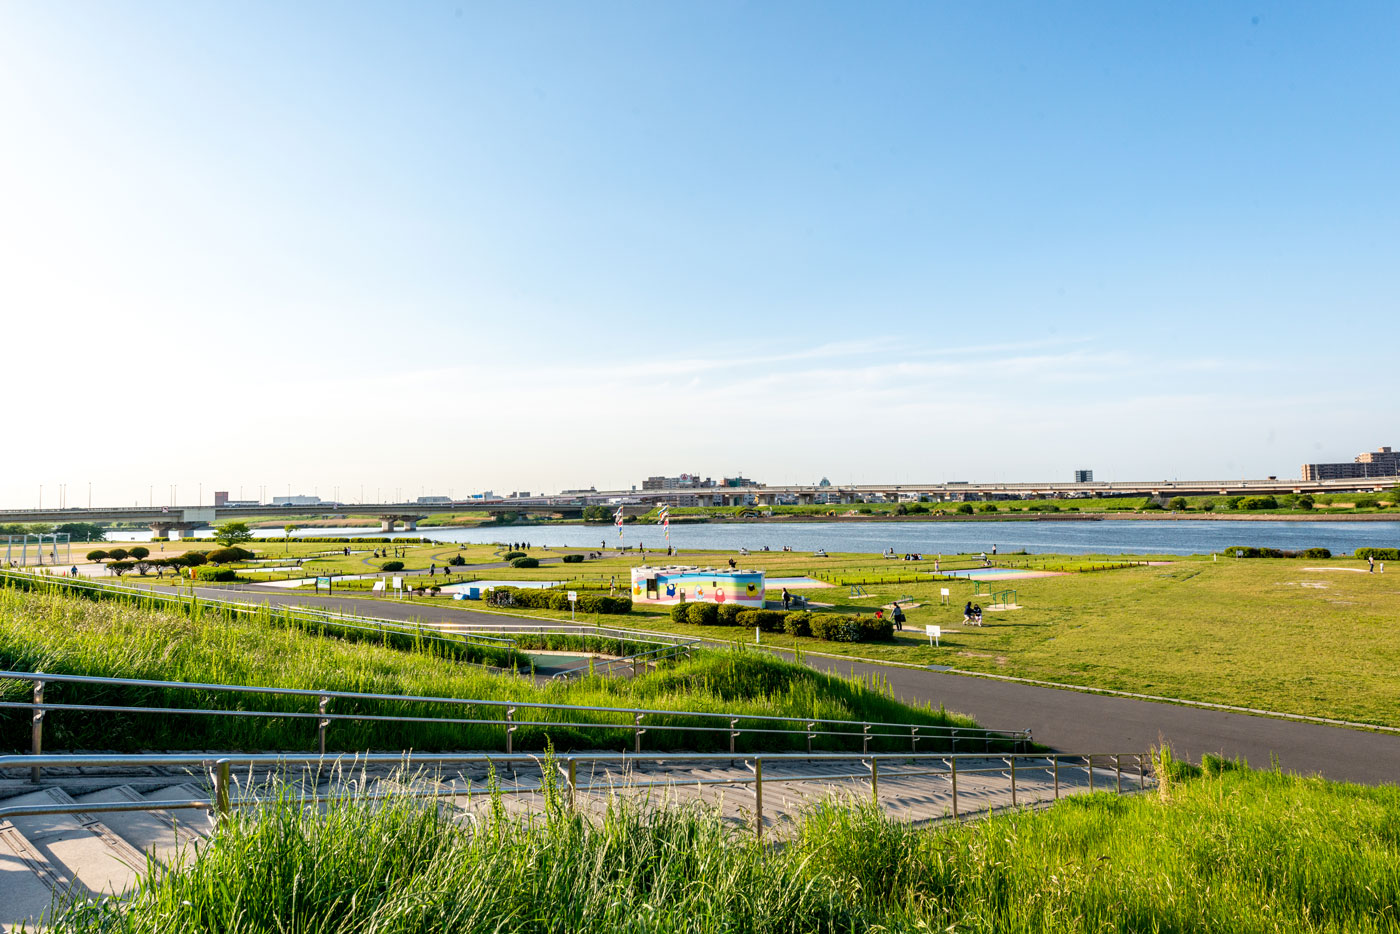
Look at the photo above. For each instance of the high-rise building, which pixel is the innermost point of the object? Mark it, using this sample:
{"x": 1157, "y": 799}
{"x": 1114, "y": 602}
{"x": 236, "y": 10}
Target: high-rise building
{"x": 1382, "y": 463}
{"x": 1083, "y": 476}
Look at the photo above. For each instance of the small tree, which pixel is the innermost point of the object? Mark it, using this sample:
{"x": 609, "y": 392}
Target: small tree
{"x": 98, "y": 555}
{"x": 965, "y": 509}
{"x": 1304, "y": 502}
{"x": 287, "y": 531}
{"x": 139, "y": 551}
{"x": 120, "y": 567}
{"x": 1177, "y": 503}
{"x": 118, "y": 554}
{"x": 233, "y": 533}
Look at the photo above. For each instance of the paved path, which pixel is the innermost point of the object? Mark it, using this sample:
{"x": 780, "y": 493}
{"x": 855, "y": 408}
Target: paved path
{"x": 1064, "y": 720}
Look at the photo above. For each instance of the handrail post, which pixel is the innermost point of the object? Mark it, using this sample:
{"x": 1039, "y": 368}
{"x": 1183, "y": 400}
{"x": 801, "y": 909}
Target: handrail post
{"x": 865, "y": 739}
{"x": 1118, "y": 772}
{"x": 954, "y": 774}
{"x": 1090, "y": 759}
{"x": 758, "y": 797}
{"x": 637, "y": 731}
{"x": 1012, "y": 760}
{"x": 221, "y": 783}
{"x": 953, "y": 741}
{"x": 811, "y": 725}
{"x": 36, "y": 729}
{"x": 573, "y": 784}
{"x": 510, "y": 730}
{"x": 1142, "y": 776}
{"x": 322, "y": 722}
{"x": 1055, "y": 758}
{"x": 913, "y": 739}
{"x": 733, "y": 733}
{"x": 875, "y": 781}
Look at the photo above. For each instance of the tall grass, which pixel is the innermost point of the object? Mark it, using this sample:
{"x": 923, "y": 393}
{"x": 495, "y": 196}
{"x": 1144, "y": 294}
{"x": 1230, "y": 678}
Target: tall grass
{"x": 60, "y": 634}
{"x": 1237, "y": 851}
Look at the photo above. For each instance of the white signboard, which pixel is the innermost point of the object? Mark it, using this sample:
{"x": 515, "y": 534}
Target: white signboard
{"x": 398, "y": 583}
{"x": 943, "y": 591}
{"x": 378, "y": 585}
{"x": 934, "y": 633}
{"x": 573, "y": 596}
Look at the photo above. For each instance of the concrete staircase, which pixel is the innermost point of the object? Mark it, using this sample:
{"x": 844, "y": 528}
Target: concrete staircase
{"x": 92, "y": 854}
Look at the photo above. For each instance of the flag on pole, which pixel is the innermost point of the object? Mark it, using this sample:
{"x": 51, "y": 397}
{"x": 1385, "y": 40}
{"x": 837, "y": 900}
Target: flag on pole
{"x": 664, "y": 520}
{"x": 618, "y": 517}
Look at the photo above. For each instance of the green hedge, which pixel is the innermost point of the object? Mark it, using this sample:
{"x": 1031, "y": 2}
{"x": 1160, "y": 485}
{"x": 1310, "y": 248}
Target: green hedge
{"x": 1380, "y": 554}
{"x": 836, "y": 628}
{"x": 729, "y": 614}
{"x": 767, "y": 620}
{"x": 525, "y": 562}
{"x": 512, "y": 555}
{"x": 1247, "y": 551}
{"x": 541, "y": 599}
{"x": 702, "y": 614}
{"x": 798, "y": 623}
{"x": 229, "y": 555}
{"x": 573, "y": 559}
{"x": 391, "y": 566}
{"x": 222, "y": 575}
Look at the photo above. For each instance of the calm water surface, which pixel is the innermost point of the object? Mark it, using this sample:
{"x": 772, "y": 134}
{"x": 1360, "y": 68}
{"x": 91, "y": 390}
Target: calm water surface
{"x": 1107, "y": 536}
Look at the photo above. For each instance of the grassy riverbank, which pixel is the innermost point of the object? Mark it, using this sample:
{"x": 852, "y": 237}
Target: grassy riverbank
{"x": 1233, "y": 851}
{"x": 60, "y": 634}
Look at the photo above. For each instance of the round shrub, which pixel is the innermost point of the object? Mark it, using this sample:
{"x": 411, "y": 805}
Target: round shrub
{"x": 525, "y": 562}
{"x": 512, "y": 555}
{"x": 229, "y": 555}
{"x": 456, "y": 561}
{"x": 98, "y": 555}
{"x": 798, "y": 623}
{"x": 604, "y": 603}
{"x": 391, "y": 566}
{"x": 701, "y": 614}
{"x": 729, "y": 614}
{"x": 118, "y": 554}
{"x": 678, "y": 613}
{"x": 139, "y": 551}
{"x": 965, "y": 509}
{"x": 222, "y": 575}
{"x": 1380, "y": 554}
{"x": 194, "y": 559}
{"x": 573, "y": 559}
{"x": 766, "y": 620}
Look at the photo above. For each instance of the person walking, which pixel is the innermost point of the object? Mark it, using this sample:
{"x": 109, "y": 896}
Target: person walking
{"x": 1370, "y": 564}
{"x": 787, "y": 599}
{"x": 898, "y": 617}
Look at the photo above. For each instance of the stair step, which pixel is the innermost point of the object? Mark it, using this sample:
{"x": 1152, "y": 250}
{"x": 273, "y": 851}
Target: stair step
{"x": 162, "y": 834}
{"x": 27, "y": 883}
{"x": 77, "y": 847}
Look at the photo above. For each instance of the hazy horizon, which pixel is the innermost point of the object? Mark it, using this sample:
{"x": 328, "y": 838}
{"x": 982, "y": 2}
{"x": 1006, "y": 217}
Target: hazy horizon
{"x": 456, "y": 247}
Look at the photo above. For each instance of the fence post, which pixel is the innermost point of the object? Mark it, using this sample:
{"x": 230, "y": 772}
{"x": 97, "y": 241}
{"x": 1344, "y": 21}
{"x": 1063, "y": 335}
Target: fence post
{"x": 221, "y": 782}
{"x": 1090, "y": 759}
{"x": 1012, "y": 760}
{"x": 637, "y": 730}
{"x": 573, "y": 784}
{"x": 954, "y": 762}
{"x": 758, "y": 797}
{"x": 733, "y": 733}
{"x": 953, "y": 744}
{"x": 811, "y": 724}
{"x": 1118, "y": 772}
{"x": 510, "y": 730}
{"x": 322, "y": 723}
{"x": 875, "y": 781}
{"x": 913, "y": 739}
{"x": 1142, "y": 776}
{"x": 36, "y": 729}
{"x": 1056, "y": 760}
{"x": 865, "y": 739}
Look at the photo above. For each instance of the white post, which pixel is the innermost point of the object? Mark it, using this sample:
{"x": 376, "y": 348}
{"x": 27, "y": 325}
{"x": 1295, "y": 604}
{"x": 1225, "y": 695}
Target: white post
{"x": 757, "y": 638}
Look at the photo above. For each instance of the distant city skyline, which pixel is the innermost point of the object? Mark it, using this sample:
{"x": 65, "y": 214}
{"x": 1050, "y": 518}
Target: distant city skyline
{"x": 464, "y": 247}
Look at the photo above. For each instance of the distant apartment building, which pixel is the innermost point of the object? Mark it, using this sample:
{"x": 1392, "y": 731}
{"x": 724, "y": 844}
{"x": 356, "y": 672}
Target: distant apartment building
{"x": 1083, "y": 476}
{"x": 686, "y": 481}
{"x": 430, "y": 500}
{"x": 1382, "y": 463}
{"x": 739, "y": 482}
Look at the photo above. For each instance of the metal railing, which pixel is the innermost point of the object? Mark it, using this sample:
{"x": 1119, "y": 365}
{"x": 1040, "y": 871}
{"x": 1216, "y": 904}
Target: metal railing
{"x": 1050, "y": 768}
{"x": 705, "y": 723}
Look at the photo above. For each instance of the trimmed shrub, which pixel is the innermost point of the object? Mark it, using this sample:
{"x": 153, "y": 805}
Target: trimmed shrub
{"x": 702, "y": 614}
{"x": 558, "y": 600}
{"x": 120, "y": 567}
{"x": 525, "y": 562}
{"x": 987, "y": 507}
{"x": 964, "y": 510}
{"x": 139, "y": 551}
{"x": 573, "y": 559}
{"x": 512, "y": 555}
{"x": 193, "y": 559}
{"x": 834, "y": 628}
{"x": 767, "y": 620}
{"x": 678, "y": 613}
{"x": 1380, "y": 554}
{"x": 391, "y": 566}
{"x": 1315, "y": 553}
{"x": 222, "y": 575}
{"x": 603, "y": 603}
{"x": 117, "y": 554}
{"x": 456, "y": 561}
{"x": 229, "y": 555}
{"x": 798, "y": 623}
{"x": 729, "y": 614}
{"x": 98, "y": 555}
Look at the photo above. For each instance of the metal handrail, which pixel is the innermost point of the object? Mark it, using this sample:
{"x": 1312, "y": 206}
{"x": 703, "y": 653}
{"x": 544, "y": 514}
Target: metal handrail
{"x": 968, "y": 732}
{"x": 222, "y": 803}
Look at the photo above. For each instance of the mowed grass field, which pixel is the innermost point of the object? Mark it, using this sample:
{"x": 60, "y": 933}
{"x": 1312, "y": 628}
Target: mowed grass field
{"x": 1320, "y": 638}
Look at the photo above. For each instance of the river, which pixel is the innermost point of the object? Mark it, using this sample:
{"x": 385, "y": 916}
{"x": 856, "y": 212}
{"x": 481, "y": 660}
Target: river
{"x": 1061, "y": 536}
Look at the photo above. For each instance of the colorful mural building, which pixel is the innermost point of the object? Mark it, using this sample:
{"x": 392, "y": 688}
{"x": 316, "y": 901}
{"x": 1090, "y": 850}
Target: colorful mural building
{"x": 691, "y": 584}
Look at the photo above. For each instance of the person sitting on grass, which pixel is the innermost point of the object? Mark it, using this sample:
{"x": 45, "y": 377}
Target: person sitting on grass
{"x": 967, "y": 612}
{"x": 977, "y": 614}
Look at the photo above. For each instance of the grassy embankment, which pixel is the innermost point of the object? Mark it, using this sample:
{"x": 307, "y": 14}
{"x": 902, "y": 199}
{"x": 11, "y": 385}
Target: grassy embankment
{"x": 61, "y": 634}
{"x": 1231, "y": 851}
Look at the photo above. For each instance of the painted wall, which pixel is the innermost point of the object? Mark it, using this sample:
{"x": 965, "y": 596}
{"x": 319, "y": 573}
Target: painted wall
{"x": 744, "y": 588}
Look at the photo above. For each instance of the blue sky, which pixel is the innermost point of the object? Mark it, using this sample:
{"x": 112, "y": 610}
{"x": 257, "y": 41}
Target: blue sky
{"x": 529, "y": 246}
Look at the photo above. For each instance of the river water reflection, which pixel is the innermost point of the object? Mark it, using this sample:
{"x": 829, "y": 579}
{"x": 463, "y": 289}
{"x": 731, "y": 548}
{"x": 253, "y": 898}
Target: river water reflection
{"x": 1065, "y": 536}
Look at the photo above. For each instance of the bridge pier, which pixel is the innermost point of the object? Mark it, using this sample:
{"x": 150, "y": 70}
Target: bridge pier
{"x": 160, "y": 530}
{"x": 409, "y": 523}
